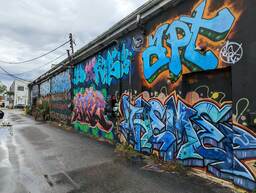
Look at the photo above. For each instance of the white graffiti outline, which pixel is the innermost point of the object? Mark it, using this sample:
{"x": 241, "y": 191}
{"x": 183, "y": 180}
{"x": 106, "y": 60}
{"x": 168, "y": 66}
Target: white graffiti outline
{"x": 137, "y": 42}
{"x": 238, "y": 116}
{"x": 231, "y": 53}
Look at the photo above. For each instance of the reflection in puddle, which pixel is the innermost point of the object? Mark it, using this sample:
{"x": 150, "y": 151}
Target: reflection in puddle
{"x": 4, "y": 162}
{"x": 5, "y": 131}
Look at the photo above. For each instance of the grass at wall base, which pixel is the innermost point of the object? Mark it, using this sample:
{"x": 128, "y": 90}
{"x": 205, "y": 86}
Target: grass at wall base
{"x": 93, "y": 132}
{"x": 130, "y": 154}
{"x": 42, "y": 111}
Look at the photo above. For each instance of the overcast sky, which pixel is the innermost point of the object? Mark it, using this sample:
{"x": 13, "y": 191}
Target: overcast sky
{"x": 29, "y": 28}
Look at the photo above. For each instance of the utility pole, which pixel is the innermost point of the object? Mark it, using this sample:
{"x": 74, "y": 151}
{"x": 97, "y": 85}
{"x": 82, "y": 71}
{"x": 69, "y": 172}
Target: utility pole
{"x": 71, "y": 41}
{"x": 71, "y": 70}
{"x": 70, "y": 55}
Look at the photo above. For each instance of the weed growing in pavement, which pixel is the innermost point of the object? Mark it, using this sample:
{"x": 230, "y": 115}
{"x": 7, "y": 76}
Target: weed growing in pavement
{"x": 174, "y": 166}
{"x": 127, "y": 151}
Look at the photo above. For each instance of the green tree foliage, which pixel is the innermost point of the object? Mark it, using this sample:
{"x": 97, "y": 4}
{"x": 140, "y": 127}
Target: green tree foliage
{"x": 3, "y": 88}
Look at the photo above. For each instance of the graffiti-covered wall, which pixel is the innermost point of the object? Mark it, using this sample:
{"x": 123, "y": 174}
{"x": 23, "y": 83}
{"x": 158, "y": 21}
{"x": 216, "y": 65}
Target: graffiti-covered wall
{"x": 34, "y": 94}
{"x": 180, "y": 86}
{"x": 61, "y": 83}
{"x": 54, "y": 94}
{"x": 173, "y": 81}
{"x": 96, "y": 83}
{"x": 45, "y": 88}
{"x": 179, "y": 102}
{"x": 60, "y": 105}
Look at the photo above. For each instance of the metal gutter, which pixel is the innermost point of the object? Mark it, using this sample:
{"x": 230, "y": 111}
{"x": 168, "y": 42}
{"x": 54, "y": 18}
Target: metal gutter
{"x": 129, "y": 23}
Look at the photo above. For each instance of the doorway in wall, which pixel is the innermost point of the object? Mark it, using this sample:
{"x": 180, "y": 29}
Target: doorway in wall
{"x": 209, "y": 96}
{"x": 212, "y": 85}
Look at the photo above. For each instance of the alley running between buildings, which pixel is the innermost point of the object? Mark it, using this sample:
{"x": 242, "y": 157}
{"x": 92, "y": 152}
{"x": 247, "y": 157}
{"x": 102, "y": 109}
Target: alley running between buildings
{"x": 39, "y": 158}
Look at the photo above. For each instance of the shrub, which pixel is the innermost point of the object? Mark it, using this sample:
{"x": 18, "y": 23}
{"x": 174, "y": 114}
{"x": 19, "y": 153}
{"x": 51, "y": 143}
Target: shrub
{"x": 43, "y": 111}
{"x": 28, "y": 110}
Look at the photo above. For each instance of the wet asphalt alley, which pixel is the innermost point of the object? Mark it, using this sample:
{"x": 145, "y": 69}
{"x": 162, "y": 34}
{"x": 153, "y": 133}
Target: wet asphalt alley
{"x": 39, "y": 158}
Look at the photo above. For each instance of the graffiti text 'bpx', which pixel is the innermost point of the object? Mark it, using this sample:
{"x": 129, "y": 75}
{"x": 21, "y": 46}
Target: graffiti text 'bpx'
{"x": 181, "y": 37}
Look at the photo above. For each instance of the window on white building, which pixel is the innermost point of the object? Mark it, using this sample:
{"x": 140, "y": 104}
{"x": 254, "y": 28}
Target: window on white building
{"x": 20, "y": 88}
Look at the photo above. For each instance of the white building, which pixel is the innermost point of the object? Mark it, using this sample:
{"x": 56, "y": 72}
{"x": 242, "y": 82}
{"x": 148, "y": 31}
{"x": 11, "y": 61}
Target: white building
{"x": 2, "y": 100}
{"x": 20, "y": 91}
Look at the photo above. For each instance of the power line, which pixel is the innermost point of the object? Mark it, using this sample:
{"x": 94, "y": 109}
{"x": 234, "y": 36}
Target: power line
{"x": 16, "y": 75}
{"x": 11, "y": 75}
{"x": 30, "y": 60}
{"x": 39, "y": 67}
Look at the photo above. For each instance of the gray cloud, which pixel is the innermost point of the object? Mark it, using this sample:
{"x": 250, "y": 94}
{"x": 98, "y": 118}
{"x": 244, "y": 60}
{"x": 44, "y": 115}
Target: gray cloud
{"x": 32, "y": 27}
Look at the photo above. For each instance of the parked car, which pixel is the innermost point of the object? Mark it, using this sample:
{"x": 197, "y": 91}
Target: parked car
{"x": 19, "y": 106}
{"x": 1, "y": 114}
{"x": 2, "y": 104}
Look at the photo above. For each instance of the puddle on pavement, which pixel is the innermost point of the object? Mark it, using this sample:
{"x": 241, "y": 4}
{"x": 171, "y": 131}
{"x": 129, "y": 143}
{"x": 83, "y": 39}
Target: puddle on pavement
{"x": 5, "y": 132}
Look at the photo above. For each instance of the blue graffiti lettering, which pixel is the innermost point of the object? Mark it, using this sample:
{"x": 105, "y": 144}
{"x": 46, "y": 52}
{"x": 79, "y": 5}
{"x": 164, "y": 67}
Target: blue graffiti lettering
{"x": 61, "y": 83}
{"x": 116, "y": 64}
{"x": 201, "y": 135}
{"x": 79, "y": 74}
{"x": 181, "y": 37}
{"x": 45, "y": 88}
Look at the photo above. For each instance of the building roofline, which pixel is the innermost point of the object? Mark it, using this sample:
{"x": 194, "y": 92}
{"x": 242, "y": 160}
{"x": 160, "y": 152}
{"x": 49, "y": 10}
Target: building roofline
{"x": 129, "y": 23}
